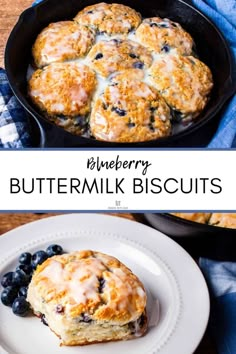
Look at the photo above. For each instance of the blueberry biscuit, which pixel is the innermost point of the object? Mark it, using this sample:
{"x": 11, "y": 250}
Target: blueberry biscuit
{"x": 223, "y": 220}
{"x": 88, "y": 297}
{"x": 184, "y": 82}
{"x": 201, "y": 218}
{"x": 107, "y": 57}
{"x": 109, "y": 18}
{"x": 129, "y": 111}
{"x": 164, "y": 36}
{"x": 62, "y": 41}
{"x": 64, "y": 91}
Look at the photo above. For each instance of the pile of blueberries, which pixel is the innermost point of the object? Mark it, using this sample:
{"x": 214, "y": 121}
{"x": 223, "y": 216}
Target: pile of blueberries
{"x": 16, "y": 283}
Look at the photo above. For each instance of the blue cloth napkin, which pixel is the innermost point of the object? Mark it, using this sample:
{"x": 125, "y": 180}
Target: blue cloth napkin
{"x": 14, "y": 126}
{"x": 221, "y": 276}
{"x": 221, "y": 279}
{"x": 223, "y": 14}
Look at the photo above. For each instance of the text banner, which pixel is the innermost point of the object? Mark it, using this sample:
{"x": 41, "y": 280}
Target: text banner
{"x": 107, "y": 180}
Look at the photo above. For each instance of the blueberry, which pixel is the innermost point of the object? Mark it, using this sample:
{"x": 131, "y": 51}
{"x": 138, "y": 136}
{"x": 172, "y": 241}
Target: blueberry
{"x": 20, "y": 278}
{"x": 153, "y": 24}
{"x": 26, "y": 268}
{"x": 7, "y": 279}
{"x": 117, "y": 41}
{"x": 104, "y": 106}
{"x": 151, "y": 127}
{"x": 136, "y": 325}
{"x": 54, "y": 250}
{"x": 138, "y": 65}
{"x": 38, "y": 258}
{"x": 164, "y": 25}
{"x": 98, "y": 56}
{"x": 79, "y": 121}
{"x": 133, "y": 56}
{"x": 62, "y": 117}
{"x": 165, "y": 48}
{"x": 23, "y": 291}
{"x": 59, "y": 309}
{"x": 141, "y": 321}
{"x": 20, "y": 306}
{"x": 25, "y": 258}
{"x": 131, "y": 125}
{"x": 43, "y": 320}
{"x": 152, "y": 119}
{"x": 8, "y": 295}
{"x": 133, "y": 327}
{"x": 85, "y": 318}
{"x": 120, "y": 112}
{"x": 177, "y": 115}
{"x": 101, "y": 284}
{"x": 131, "y": 29}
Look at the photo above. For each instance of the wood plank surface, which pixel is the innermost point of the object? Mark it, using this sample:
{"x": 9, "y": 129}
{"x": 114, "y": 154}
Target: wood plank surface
{"x": 11, "y": 221}
{"x": 9, "y": 13}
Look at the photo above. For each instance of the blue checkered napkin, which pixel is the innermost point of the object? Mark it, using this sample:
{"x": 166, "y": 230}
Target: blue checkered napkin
{"x": 13, "y": 124}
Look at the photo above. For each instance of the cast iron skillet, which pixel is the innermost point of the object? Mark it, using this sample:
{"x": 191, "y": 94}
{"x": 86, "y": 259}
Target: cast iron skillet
{"x": 211, "y": 47}
{"x": 198, "y": 239}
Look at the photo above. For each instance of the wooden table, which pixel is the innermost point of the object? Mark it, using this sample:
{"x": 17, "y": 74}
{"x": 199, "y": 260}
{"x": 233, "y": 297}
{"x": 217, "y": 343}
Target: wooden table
{"x": 9, "y": 13}
{"x": 10, "y": 221}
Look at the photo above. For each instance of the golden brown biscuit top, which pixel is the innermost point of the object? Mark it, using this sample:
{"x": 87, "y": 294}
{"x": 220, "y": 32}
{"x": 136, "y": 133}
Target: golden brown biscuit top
{"x": 163, "y": 36}
{"x": 196, "y": 217}
{"x": 110, "y": 56}
{"x": 223, "y": 220}
{"x": 184, "y": 82}
{"x": 62, "y": 41}
{"x": 93, "y": 15}
{"x": 93, "y": 283}
{"x": 128, "y": 111}
{"x": 63, "y": 88}
{"x": 227, "y": 220}
{"x": 128, "y": 75}
{"x": 109, "y": 18}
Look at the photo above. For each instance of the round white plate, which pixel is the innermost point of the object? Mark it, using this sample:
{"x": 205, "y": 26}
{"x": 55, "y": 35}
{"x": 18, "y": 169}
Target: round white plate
{"x": 178, "y": 301}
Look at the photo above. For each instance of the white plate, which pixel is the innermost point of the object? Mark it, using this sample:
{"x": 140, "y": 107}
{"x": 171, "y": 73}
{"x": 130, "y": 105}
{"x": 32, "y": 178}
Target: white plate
{"x": 178, "y": 301}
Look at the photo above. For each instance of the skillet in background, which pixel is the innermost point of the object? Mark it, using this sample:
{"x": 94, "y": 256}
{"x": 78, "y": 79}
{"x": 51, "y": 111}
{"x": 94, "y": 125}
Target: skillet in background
{"x": 199, "y": 240}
